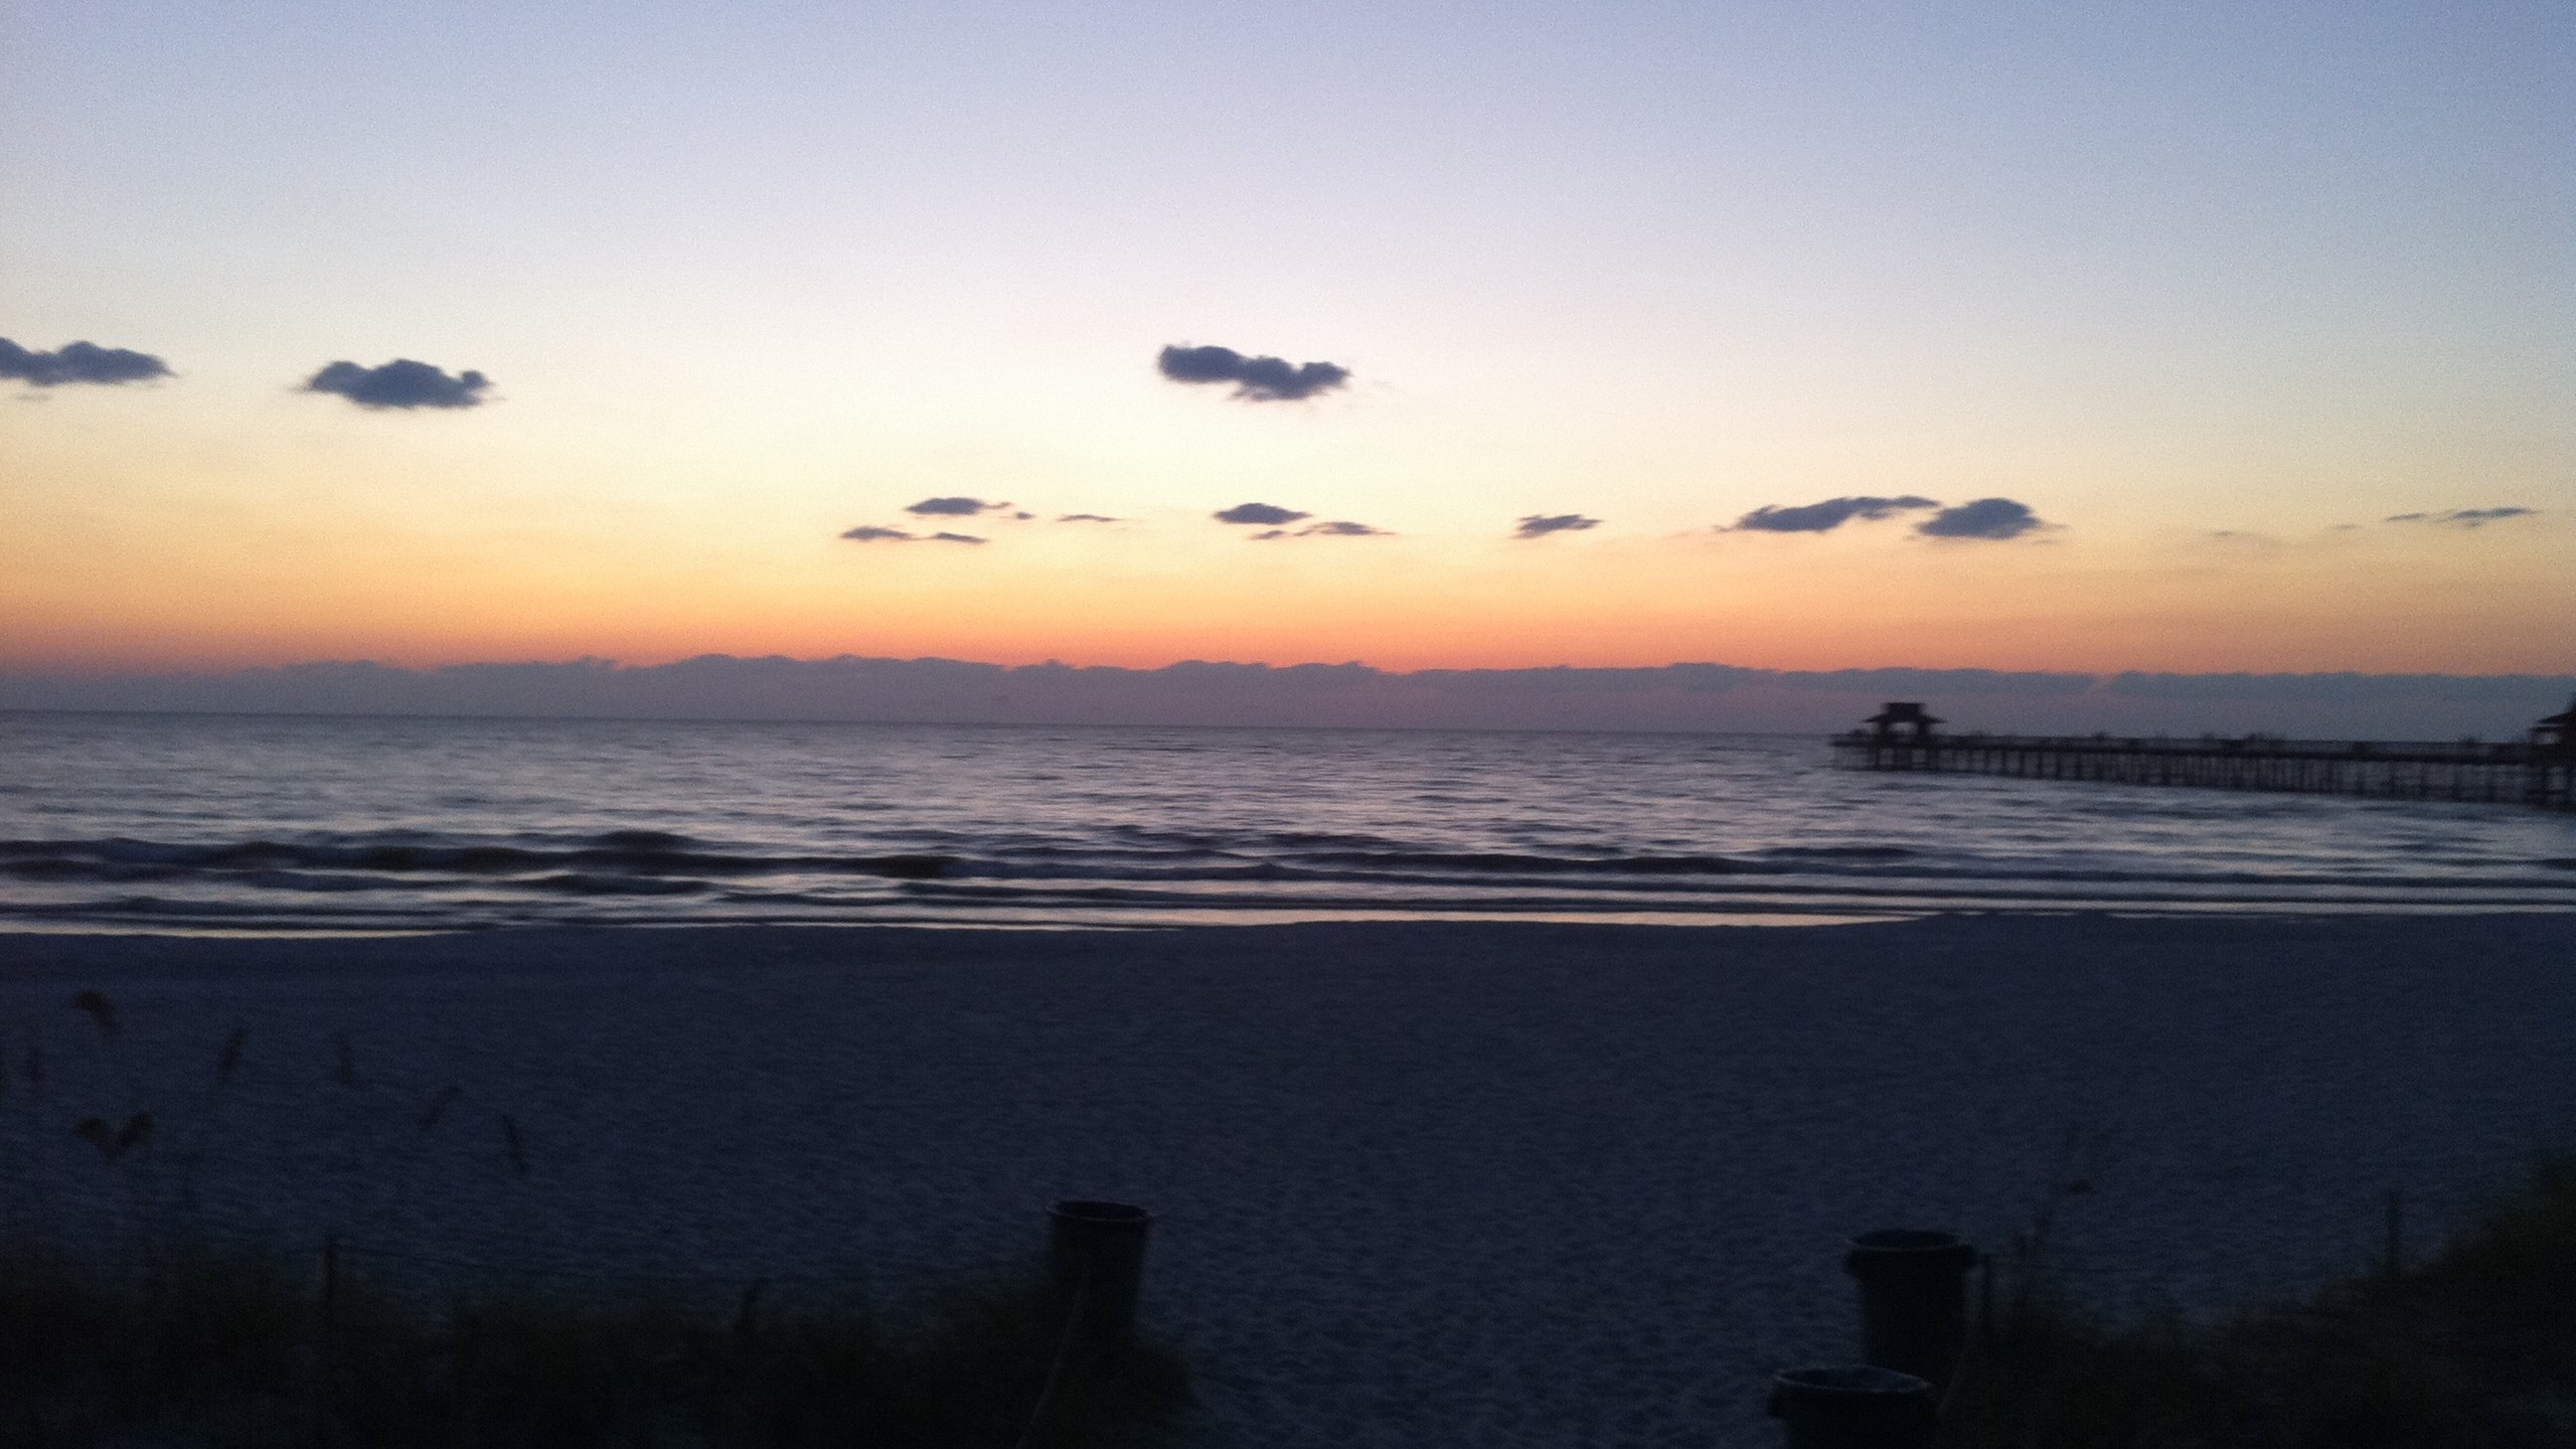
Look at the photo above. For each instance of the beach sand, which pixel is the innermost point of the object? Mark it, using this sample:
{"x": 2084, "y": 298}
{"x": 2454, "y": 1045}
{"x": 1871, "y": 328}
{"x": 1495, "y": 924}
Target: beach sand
{"x": 1416, "y": 1184}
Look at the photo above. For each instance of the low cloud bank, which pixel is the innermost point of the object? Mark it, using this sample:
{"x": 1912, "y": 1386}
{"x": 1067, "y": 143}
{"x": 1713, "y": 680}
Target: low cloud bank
{"x": 1669, "y": 698}
{"x": 78, "y": 362}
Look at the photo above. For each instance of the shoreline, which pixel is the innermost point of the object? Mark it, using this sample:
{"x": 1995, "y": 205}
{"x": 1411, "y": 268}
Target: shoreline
{"x": 1144, "y": 922}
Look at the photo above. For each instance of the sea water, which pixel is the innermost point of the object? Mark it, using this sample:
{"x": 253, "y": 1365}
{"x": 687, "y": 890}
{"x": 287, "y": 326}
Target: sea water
{"x": 303, "y": 824}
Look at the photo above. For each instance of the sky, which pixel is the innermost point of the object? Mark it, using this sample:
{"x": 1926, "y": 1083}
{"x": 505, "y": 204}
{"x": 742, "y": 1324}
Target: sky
{"x": 2126, "y": 337}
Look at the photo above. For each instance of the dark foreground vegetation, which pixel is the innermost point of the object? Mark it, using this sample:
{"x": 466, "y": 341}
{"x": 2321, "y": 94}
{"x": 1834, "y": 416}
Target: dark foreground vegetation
{"x": 146, "y": 1331}
{"x": 2475, "y": 1349}
{"x": 218, "y": 1349}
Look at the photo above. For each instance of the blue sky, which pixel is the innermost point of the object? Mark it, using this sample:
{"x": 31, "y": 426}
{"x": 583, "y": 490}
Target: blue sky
{"x": 746, "y": 277}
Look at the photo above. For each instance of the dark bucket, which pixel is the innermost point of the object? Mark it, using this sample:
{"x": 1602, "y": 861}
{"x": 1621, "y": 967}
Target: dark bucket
{"x": 1854, "y": 1407}
{"x": 1096, "y": 1265}
{"x": 1913, "y": 1299}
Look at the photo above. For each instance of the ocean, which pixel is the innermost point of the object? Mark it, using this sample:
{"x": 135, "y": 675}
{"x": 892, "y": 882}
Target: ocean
{"x": 292, "y": 825}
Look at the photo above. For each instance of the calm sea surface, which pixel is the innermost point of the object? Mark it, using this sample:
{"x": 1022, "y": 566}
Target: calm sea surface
{"x": 306, "y": 824}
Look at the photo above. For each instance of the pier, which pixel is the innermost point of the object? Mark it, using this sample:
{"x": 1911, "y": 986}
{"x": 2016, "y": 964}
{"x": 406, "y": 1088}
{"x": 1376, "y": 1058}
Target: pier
{"x": 2539, "y": 770}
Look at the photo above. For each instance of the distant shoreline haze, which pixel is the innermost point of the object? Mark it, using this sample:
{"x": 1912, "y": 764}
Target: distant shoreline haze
{"x": 1670, "y": 698}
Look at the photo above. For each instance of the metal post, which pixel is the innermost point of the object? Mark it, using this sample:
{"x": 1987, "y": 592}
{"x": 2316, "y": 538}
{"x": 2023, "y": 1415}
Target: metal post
{"x": 1852, "y": 1408}
{"x": 1913, "y": 1299}
{"x": 1096, "y": 1267}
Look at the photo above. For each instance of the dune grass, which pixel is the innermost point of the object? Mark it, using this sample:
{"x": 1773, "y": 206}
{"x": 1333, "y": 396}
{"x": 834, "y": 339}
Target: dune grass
{"x": 2475, "y": 1349}
{"x": 212, "y": 1348}
{"x": 154, "y": 1333}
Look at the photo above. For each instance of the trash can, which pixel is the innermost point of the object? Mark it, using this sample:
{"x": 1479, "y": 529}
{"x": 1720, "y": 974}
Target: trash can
{"x": 1096, "y": 1266}
{"x": 1913, "y": 1299}
{"x": 1852, "y": 1407}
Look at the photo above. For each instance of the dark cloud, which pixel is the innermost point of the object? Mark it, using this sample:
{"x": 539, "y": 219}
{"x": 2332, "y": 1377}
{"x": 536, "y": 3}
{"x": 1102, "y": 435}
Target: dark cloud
{"x": 1337, "y": 528}
{"x": 954, "y": 507}
{"x": 1690, "y": 697}
{"x": 1087, "y": 518}
{"x": 1260, "y": 513}
{"x": 1829, "y": 515}
{"x": 1983, "y": 518}
{"x": 1694, "y": 697}
{"x": 1255, "y": 379}
{"x": 401, "y": 383}
{"x": 75, "y": 362}
{"x": 870, "y": 533}
{"x": 1539, "y": 525}
{"x": 2463, "y": 517}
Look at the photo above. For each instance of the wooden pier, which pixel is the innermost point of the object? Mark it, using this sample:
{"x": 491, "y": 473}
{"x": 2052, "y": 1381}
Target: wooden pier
{"x": 2538, "y": 771}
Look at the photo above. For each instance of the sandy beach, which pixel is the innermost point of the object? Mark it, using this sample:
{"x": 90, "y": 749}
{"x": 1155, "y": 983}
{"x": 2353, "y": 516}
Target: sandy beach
{"x": 1417, "y": 1184}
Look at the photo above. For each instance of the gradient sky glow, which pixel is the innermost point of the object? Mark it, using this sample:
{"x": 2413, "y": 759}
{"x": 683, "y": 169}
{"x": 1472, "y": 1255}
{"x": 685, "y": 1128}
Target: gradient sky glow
{"x": 746, "y": 276}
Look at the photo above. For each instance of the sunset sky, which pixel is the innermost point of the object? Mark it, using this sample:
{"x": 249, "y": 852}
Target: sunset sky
{"x": 2263, "y": 314}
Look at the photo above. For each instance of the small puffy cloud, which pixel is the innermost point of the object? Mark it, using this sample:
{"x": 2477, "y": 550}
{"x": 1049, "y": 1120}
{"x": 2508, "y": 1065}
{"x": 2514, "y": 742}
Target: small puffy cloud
{"x": 1255, "y": 379}
{"x": 1337, "y": 528}
{"x": 2463, "y": 517}
{"x": 1829, "y": 515}
{"x": 1540, "y": 525}
{"x": 401, "y": 383}
{"x": 1264, "y": 513}
{"x": 871, "y": 533}
{"x": 954, "y": 507}
{"x": 1087, "y": 518}
{"x": 1995, "y": 518}
{"x": 78, "y": 362}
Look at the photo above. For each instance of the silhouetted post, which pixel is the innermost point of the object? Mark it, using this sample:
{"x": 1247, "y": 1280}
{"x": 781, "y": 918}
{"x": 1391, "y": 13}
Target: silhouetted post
{"x": 326, "y": 1405}
{"x": 1858, "y": 1407}
{"x": 1913, "y": 1299}
{"x": 1095, "y": 1268}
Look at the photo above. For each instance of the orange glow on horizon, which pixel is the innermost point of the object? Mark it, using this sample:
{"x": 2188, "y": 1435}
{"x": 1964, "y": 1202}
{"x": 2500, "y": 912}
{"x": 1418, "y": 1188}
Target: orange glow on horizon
{"x": 1398, "y": 604}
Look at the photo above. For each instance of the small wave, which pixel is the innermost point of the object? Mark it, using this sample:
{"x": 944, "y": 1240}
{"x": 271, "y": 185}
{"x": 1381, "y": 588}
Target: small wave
{"x": 1303, "y": 839}
{"x": 637, "y": 853}
{"x": 1841, "y": 852}
{"x": 586, "y": 883}
{"x": 1493, "y": 861}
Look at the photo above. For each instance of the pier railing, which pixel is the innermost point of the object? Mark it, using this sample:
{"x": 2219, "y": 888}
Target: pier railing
{"x": 2511, "y": 772}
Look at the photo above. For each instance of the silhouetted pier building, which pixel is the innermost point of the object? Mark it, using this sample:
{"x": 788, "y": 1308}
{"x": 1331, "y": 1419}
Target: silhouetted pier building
{"x": 2539, "y": 770}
